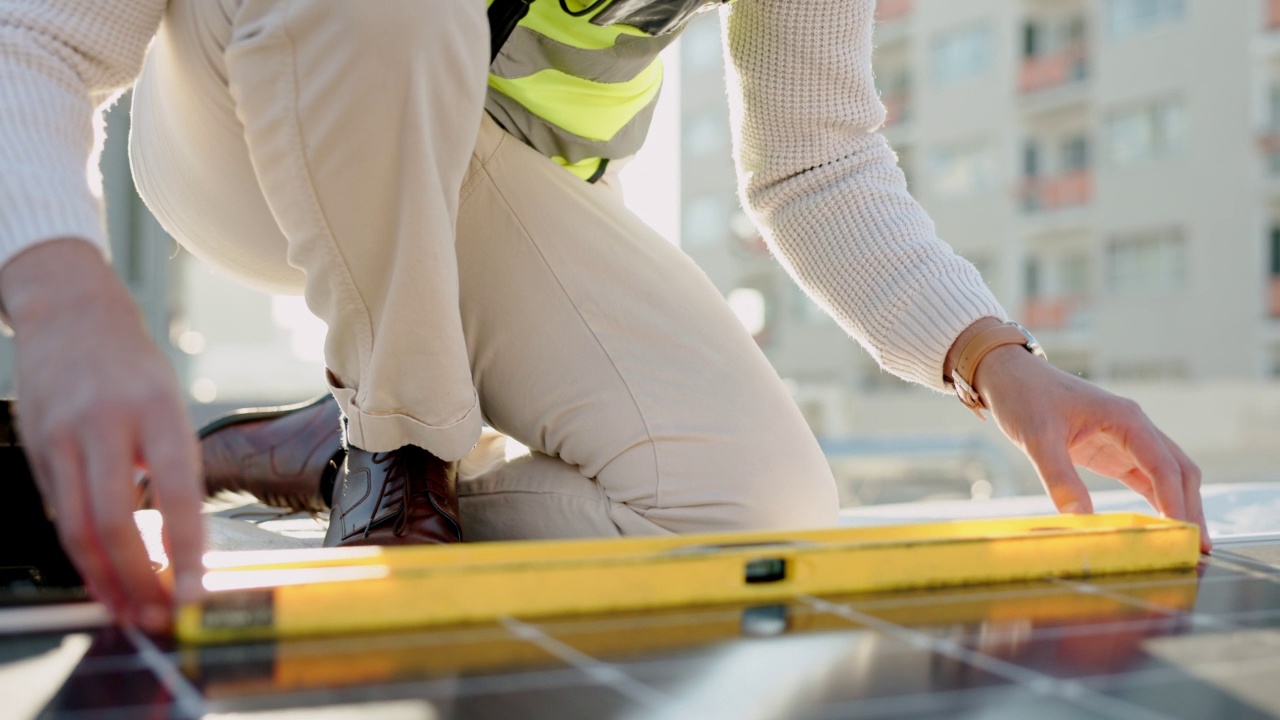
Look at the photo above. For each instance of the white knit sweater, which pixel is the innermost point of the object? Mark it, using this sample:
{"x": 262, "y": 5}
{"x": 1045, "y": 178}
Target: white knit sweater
{"x": 812, "y": 169}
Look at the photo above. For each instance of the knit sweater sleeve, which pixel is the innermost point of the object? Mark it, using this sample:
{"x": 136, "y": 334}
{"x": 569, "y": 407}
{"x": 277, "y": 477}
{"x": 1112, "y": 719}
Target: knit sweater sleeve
{"x": 59, "y": 60}
{"x": 826, "y": 190}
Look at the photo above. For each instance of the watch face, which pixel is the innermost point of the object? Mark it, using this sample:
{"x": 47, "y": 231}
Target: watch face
{"x": 1032, "y": 344}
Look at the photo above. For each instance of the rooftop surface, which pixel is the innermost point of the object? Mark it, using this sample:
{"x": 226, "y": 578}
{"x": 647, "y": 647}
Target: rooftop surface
{"x": 1194, "y": 644}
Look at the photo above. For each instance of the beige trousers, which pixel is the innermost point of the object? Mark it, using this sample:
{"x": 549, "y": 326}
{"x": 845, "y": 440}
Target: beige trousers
{"x": 340, "y": 148}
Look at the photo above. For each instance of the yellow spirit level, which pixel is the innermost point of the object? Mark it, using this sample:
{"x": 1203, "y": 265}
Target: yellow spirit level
{"x": 294, "y": 593}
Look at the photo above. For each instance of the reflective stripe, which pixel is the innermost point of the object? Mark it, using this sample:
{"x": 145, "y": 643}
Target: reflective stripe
{"x": 565, "y": 147}
{"x": 595, "y": 111}
{"x": 576, "y": 92}
{"x": 528, "y": 52}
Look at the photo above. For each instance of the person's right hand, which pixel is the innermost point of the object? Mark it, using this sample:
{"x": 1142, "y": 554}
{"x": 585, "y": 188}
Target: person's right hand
{"x": 98, "y": 403}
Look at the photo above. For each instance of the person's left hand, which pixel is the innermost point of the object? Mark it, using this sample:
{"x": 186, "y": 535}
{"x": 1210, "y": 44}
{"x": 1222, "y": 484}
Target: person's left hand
{"x": 1061, "y": 421}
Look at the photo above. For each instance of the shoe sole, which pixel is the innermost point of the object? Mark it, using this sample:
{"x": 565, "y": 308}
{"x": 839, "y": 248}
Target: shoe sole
{"x": 254, "y": 414}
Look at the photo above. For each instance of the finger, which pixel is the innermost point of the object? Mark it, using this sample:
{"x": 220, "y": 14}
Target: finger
{"x": 61, "y": 465}
{"x": 1190, "y": 490}
{"x": 109, "y": 471}
{"x": 1147, "y": 448}
{"x": 1059, "y": 477}
{"x": 1137, "y": 481}
{"x": 171, "y": 453}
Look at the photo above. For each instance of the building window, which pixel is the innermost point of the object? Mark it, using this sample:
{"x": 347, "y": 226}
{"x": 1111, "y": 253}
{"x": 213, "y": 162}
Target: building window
{"x": 1125, "y": 18}
{"x": 1032, "y": 40}
{"x": 961, "y": 55}
{"x": 1273, "y": 107}
{"x": 1031, "y": 159}
{"x": 1044, "y": 38}
{"x": 1147, "y": 262}
{"x": 1075, "y": 153}
{"x": 1031, "y": 279}
{"x": 1076, "y": 272}
{"x": 964, "y": 170}
{"x": 1274, "y": 257}
{"x": 1148, "y": 132}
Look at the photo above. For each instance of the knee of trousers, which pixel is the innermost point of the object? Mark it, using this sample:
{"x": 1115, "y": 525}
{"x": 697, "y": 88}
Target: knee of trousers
{"x": 792, "y": 488}
{"x": 748, "y": 483}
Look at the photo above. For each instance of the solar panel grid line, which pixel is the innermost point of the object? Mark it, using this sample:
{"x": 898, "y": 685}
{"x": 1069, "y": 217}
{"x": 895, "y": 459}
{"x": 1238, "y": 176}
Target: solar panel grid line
{"x": 1248, "y": 616}
{"x": 1238, "y": 563}
{"x": 1073, "y": 630}
{"x": 1198, "y": 618}
{"x": 189, "y": 701}
{"x": 1038, "y": 683}
{"x": 1249, "y": 563}
{"x": 608, "y": 673}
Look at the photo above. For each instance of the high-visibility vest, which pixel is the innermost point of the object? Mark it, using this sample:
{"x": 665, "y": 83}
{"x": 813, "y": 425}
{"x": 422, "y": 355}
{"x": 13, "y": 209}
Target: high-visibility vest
{"x": 579, "y": 93}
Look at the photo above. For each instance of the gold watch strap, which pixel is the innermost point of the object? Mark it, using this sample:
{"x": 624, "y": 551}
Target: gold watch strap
{"x": 972, "y": 354}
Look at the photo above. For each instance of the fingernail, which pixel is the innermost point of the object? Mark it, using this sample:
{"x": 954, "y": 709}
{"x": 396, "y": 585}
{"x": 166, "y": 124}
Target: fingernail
{"x": 1073, "y": 508}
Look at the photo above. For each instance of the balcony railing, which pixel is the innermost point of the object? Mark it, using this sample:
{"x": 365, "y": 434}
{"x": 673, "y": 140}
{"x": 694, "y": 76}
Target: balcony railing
{"x": 1273, "y": 297}
{"x": 1069, "y": 189}
{"x": 893, "y": 9}
{"x": 897, "y": 110}
{"x": 1273, "y": 14}
{"x": 1053, "y": 69}
{"x": 1054, "y": 314}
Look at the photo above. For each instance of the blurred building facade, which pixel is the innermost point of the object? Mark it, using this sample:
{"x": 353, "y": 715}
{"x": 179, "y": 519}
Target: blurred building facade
{"x": 1111, "y": 166}
{"x": 230, "y": 346}
{"x": 140, "y": 249}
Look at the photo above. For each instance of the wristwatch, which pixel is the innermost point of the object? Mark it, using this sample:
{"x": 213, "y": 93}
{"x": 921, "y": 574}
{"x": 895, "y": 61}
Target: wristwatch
{"x": 1009, "y": 333}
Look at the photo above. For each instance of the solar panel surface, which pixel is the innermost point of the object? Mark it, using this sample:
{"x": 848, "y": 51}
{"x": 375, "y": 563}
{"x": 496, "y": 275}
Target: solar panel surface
{"x": 1199, "y": 644}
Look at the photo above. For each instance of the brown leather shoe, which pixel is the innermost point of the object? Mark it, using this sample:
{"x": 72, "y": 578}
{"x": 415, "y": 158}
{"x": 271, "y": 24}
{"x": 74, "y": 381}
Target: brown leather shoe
{"x": 285, "y": 456}
{"x": 403, "y": 497}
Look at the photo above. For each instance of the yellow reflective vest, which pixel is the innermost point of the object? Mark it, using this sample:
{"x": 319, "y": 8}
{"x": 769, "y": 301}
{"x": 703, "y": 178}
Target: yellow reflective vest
{"x": 579, "y": 93}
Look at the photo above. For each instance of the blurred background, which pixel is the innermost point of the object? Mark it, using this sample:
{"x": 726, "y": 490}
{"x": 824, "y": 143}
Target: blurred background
{"x": 1111, "y": 166}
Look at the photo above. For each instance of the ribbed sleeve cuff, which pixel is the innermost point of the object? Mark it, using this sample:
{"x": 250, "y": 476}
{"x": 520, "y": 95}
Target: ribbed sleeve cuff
{"x": 46, "y": 137}
{"x": 40, "y": 206}
{"x": 930, "y": 318}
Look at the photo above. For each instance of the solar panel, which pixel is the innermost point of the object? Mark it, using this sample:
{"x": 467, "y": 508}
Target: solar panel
{"x": 1203, "y": 643}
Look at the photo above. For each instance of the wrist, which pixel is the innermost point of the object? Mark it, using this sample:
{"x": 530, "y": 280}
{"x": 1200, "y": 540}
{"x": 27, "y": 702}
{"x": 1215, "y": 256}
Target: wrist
{"x": 974, "y": 354}
{"x": 953, "y": 355}
{"x": 1002, "y": 364}
{"x": 54, "y": 277}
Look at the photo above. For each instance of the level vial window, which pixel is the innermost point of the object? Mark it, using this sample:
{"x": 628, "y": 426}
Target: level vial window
{"x": 766, "y": 570}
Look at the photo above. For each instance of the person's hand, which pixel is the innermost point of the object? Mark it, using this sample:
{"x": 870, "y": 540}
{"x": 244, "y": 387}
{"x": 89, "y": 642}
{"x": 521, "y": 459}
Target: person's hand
{"x": 98, "y": 403}
{"x": 1061, "y": 421}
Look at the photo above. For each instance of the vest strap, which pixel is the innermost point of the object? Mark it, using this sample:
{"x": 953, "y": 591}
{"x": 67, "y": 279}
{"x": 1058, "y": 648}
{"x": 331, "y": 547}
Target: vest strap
{"x": 504, "y": 15}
